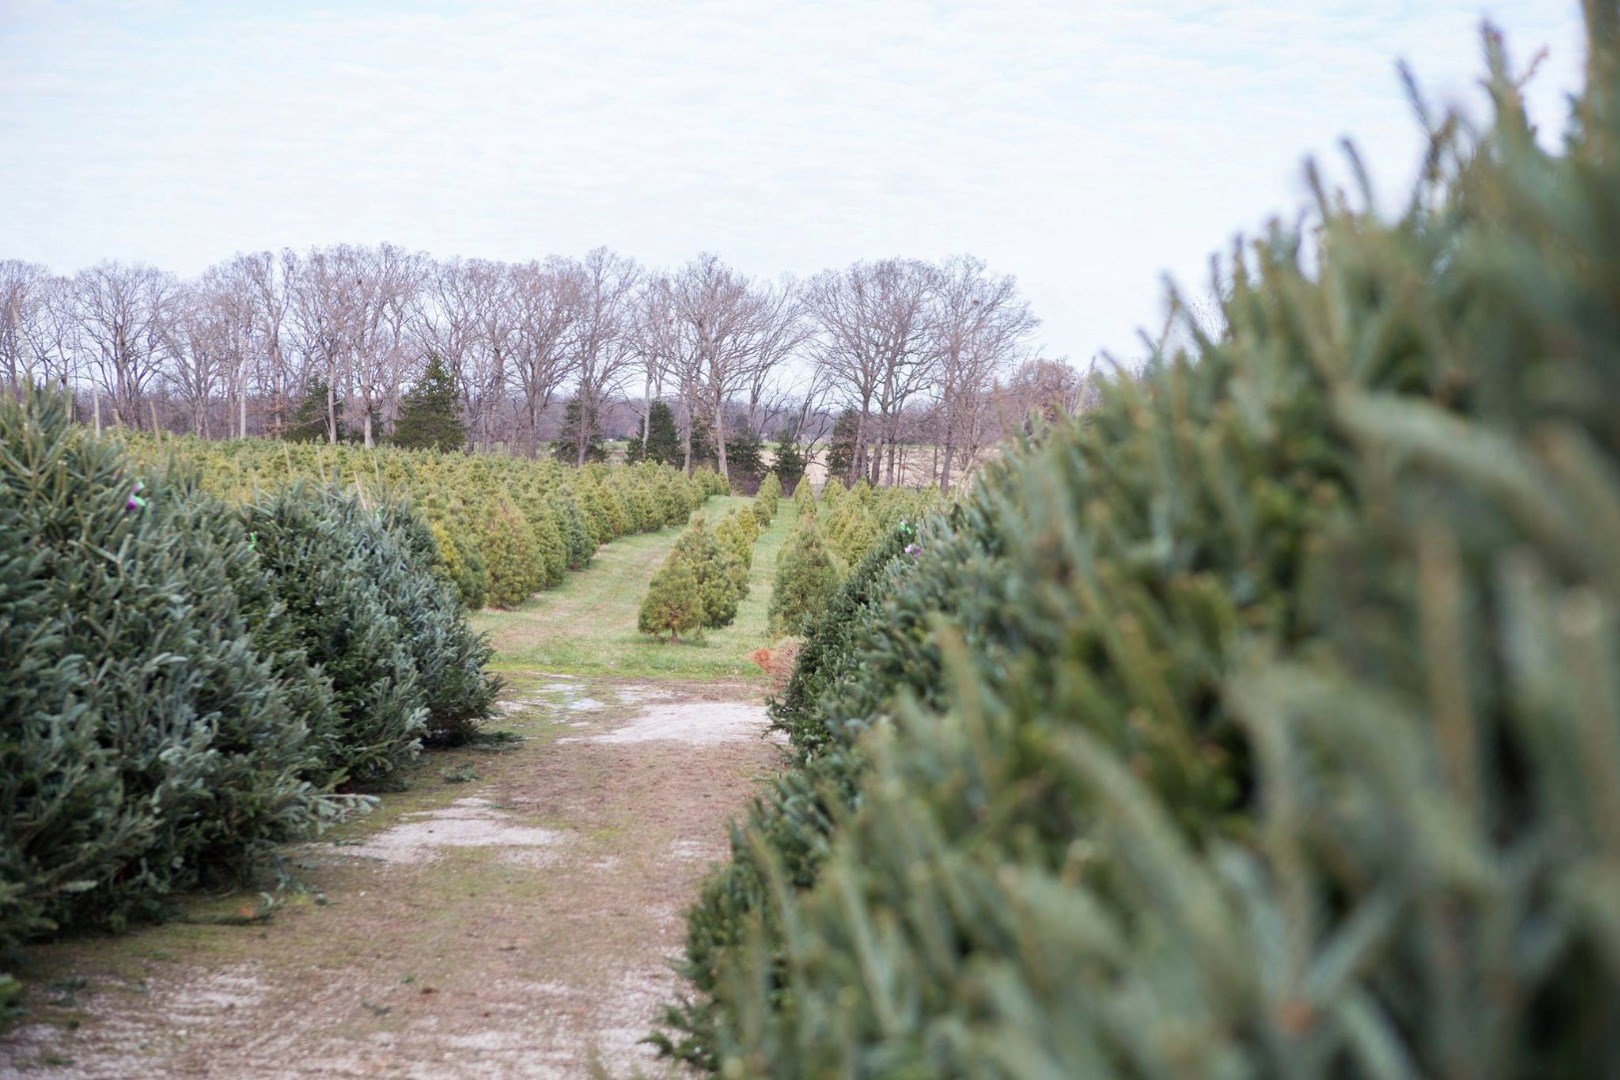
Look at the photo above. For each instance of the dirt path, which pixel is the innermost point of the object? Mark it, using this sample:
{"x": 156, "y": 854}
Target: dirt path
{"x": 509, "y": 916}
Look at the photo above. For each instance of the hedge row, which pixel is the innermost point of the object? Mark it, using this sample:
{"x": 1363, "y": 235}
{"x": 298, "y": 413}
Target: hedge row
{"x": 505, "y": 528}
{"x": 855, "y": 519}
{"x": 705, "y": 575}
{"x": 1264, "y": 722}
{"x": 185, "y": 683}
{"x": 828, "y": 541}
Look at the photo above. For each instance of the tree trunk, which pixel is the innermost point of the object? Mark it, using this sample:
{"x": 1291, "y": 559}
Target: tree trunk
{"x": 331, "y": 407}
{"x": 582, "y": 438}
{"x": 646, "y": 411}
{"x": 686, "y": 441}
{"x": 857, "y": 456}
{"x": 720, "y": 440}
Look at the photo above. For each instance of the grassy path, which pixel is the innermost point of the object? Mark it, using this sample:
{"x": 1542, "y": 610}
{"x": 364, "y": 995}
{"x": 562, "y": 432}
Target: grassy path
{"x": 510, "y": 915}
{"x": 589, "y": 625}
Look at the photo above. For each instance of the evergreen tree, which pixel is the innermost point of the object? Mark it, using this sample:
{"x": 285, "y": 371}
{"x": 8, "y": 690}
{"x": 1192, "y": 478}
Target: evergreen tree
{"x": 517, "y": 568}
{"x": 790, "y": 462}
{"x": 736, "y": 533}
{"x": 566, "y": 448}
{"x": 407, "y": 567}
{"x": 1228, "y": 731}
{"x": 674, "y": 601}
{"x": 765, "y": 500}
{"x": 430, "y": 415}
{"x": 152, "y": 711}
{"x": 745, "y": 460}
{"x": 712, "y": 567}
{"x": 806, "y": 580}
{"x": 804, "y": 500}
{"x": 841, "y": 447}
{"x": 319, "y": 549}
{"x": 309, "y": 418}
{"x": 663, "y": 443}
{"x": 770, "y": 489}
{"x": 576, "y": 531}
{"x": 703, "y": 455}
{"x": 462, "y": 562}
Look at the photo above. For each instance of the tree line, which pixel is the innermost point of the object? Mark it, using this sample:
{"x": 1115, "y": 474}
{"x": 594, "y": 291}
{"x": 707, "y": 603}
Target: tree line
{"x": 890, "y": 354}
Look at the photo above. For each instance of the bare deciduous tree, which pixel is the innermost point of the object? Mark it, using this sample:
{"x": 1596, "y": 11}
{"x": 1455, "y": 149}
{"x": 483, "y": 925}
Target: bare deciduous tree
{"x": 206, "y": 348}
{"x": 325, "y": 320}
{"x": 469, "y": 322}
{"x": 872, "y": 322}
{"x": 261, "y": 280}
{"x": 388, "y": 290}
{"x": 543, "y": 310}
{"x": 979, "y": 330}
{"x": 600, "y": 346}
{"x": 126, "y": 314}
{"x": 1042, "y": 389}
{"x": 240, "y": 304}
{"x": 733, "y": 332}
{"x": 915, "y": 350}
{"x": 35, "y": 338}
{"x": 356, "y": 310}
{"x": 654, "y": 343}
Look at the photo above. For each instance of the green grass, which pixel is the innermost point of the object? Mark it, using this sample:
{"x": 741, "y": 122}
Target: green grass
{"x": 588, "y": 625}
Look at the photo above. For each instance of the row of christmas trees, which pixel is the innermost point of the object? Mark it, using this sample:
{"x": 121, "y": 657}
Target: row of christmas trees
{"x": 828, "y": 541}
{"x": 705, "y": 575}
{"x": 505, "y": 528}
{"x": 1265, "y": 721}
{"x": 186, "y": 682}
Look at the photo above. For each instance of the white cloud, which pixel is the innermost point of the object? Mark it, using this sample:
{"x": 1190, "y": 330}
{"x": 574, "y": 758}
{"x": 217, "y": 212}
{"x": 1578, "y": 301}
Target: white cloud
{"x": 1085, "y": 146}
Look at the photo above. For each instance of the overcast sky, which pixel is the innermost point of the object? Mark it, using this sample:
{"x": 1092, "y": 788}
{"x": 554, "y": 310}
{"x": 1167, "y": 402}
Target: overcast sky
{"x": 1087, "y": 147}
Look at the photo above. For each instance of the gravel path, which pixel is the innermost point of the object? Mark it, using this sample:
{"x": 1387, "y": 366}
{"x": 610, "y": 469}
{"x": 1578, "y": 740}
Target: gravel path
{"x": 517, "y": 924}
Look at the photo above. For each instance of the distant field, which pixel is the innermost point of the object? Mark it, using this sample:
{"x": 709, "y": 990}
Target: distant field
{"x": 918, "y": 465}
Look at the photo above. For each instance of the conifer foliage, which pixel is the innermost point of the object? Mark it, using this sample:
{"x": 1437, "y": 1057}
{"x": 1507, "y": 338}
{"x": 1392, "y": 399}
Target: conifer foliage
{"x": 1264, "y": 724}
{"x": 430, "y": 415}
{"x": 183, "y": 682}
{"x": 712, "y": 566}
{"x": 674, "y": 603}
{"x": 311, "y": 545}
{"x": 311, "y": 422}
{"x": 807, "y": 576}
{"x": 505, "y": 527}
{"x": 566, "y": 448}
{"x": 827, "y": 542}
{"x": 149, "y": 738}
{"x": 662, "y": 442}
{"x": 705, "y": 575}
{"x": 790, "y": 462}
{"x": 766, "y": 499}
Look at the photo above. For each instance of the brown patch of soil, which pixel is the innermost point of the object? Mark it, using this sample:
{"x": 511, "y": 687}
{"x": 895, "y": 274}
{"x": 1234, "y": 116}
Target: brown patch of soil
{"x": 514, "y": 926}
